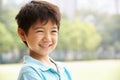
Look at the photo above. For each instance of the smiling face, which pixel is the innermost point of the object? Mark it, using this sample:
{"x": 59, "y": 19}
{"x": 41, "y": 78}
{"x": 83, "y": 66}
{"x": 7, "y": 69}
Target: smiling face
{"x": 41, "y": 39}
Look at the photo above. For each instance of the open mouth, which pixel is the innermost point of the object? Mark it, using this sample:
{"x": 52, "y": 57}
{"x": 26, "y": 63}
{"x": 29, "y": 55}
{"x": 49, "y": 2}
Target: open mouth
{"x": 45, "y": 46}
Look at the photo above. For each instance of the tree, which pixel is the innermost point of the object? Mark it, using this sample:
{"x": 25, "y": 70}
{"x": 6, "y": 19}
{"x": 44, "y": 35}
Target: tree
{"x": 78, "y": 35}
{"x": 111, "y": 32}
{"x": 0, "y": 4}
{"x": 6, "y": 40}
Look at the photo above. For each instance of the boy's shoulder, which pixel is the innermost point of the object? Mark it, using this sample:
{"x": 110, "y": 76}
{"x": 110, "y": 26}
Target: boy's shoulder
{"x": 28, "y": 68}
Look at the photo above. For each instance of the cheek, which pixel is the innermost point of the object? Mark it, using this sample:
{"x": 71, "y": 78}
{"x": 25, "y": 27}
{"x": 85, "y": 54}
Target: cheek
{"x": 55, "y": 38}
{"x": 32, "y": 40}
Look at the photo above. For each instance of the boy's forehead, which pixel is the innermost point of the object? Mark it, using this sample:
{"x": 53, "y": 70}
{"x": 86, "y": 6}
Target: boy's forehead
{"x": 41, "y": 24}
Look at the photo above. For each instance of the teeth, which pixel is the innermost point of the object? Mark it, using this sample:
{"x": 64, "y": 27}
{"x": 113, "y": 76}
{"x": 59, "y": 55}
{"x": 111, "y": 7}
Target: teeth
{"x": 45, "y": 46}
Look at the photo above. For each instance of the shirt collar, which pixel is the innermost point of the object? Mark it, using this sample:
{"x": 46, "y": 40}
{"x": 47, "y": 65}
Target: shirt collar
{"x": 36, "y": 63}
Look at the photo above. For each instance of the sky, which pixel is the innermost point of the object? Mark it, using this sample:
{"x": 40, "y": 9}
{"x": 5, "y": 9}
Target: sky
{"x": 100, "y": 5}
{"x": 108, "y": 6}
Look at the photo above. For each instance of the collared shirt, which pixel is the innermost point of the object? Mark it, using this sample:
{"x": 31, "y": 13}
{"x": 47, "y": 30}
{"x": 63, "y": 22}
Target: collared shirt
{"x": 36, "y": 70}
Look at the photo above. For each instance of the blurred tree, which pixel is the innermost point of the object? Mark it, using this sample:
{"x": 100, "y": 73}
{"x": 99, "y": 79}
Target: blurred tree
{"x": 0, "y": 3}
{"x": 112, "y": 30}
{"x": 7, "y": 17}
{"x": 6, "y": 40}
{"x": 78, "y": 35}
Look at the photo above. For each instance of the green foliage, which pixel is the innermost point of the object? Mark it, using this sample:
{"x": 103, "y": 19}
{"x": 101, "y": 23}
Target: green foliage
{"x": 6, "y": 39}
{"x": 78, "y": 35}
{"x": 111, "y": 33}
{"x": 7, "y": 17}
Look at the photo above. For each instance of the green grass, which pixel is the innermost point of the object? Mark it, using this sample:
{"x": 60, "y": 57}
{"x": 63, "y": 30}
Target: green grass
{"x": 81, "y": 70}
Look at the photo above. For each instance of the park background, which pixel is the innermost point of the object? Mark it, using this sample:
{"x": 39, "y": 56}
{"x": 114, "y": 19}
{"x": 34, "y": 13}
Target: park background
{"x": 89, "y": 39}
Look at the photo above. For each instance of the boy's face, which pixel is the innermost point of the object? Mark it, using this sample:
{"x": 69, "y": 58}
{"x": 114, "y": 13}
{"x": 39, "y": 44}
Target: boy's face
{"x": 41, "y": 39}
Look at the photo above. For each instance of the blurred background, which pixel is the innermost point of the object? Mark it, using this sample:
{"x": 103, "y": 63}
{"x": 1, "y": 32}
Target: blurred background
{"x": 89, "y": 39}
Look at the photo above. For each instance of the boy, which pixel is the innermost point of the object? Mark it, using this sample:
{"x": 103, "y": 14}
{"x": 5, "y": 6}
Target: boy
{"x": 38, "y": 27}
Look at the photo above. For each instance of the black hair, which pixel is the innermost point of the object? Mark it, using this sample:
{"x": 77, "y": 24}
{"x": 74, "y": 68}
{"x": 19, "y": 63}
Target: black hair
{"x": 37, "y": 10}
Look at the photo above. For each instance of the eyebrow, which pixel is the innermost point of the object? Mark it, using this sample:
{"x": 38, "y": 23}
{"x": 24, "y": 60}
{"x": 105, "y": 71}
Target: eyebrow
{"x": 40, "y": 27}
{"x": 54, "y": 27}
{"x": 37, "y": 27}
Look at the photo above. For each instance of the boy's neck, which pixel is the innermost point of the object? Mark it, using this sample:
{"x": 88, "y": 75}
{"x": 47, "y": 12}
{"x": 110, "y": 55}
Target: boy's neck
{"x": 40, "y": 58}
{"x": 45, "y": 60}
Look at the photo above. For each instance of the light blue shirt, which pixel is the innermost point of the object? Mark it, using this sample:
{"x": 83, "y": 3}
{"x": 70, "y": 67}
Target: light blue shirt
{"x": 36, "y": 70}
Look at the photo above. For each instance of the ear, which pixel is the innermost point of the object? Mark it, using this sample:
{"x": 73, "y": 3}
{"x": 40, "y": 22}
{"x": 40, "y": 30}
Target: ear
{"x": 22, "y": 34}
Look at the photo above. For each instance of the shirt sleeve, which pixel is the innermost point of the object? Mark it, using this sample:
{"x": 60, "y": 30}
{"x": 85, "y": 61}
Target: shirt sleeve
{"x": 28, "y": 74}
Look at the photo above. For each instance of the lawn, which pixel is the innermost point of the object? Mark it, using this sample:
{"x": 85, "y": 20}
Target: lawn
{"x": 81, "y": 70}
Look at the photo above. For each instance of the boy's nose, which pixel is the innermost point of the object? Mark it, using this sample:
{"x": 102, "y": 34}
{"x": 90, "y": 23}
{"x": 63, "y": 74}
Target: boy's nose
{"x": 47, "y": 37}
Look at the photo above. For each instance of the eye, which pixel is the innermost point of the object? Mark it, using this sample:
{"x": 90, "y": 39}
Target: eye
{"x": 54, "y": 31}
{"x": 39, "y": 31}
